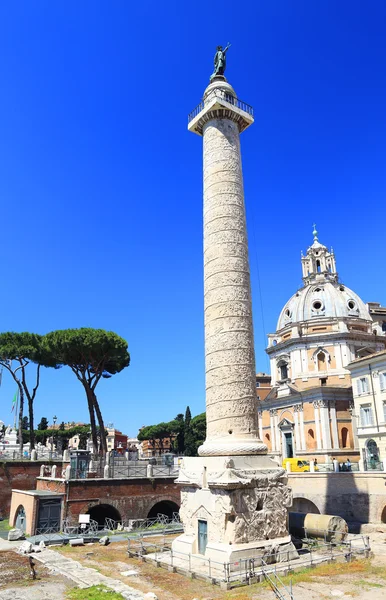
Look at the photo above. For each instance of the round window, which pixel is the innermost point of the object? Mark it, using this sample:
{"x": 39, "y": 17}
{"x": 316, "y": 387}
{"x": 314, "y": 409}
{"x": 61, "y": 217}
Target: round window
{"x": 288, "y": 312}
{"x": 317, "y": 305}
{"x": 341, "y": 288}
{"x": 317, "y": 289}
{"x": 351, "y": 304}
{"x": 274, "y": 343}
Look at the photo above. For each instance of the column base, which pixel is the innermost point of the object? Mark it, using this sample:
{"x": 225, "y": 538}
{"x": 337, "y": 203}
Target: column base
{"x": 238, "y": 447}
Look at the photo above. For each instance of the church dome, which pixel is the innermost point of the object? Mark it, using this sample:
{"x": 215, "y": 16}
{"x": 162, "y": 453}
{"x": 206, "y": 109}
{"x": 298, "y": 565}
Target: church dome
{"x": 323, "y": 299}
{"x": 323, "y": 295}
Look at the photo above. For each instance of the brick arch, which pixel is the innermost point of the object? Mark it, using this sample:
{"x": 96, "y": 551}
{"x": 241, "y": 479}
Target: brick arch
{"x": 161, "y": 498}
{"x": 305, "y": 505}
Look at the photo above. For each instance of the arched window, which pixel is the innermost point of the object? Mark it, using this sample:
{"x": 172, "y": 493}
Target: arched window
{"x": 321, "y": 358}
{"x": 345, "y": 438}
{"x": 283, "y": 368}
{"x": 318, "y": 266}
{"x": 311, "y": 442}
{"x": 267, "y": 437}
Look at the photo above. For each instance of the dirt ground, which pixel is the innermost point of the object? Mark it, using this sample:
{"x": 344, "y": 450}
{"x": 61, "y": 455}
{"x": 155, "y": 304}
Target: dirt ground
{"x": 15, "y": 572}
{"x": 361, "y": 579}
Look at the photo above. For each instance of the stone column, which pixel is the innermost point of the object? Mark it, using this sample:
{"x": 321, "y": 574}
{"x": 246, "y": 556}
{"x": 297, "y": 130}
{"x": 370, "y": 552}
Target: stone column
{"x": 354, "y": 425}
{"x": 229, "y": 347}
{"x": 278, "y": 433}
{"x": 297, "y": 432}
{"x": 317, "y": 426}
{"x": 334, "y": 426}
{"x": 302, "y": 434}
{"x": 260, "y": 420}
{"x": 272, "y": 424}
{"x": 325, "y": 425}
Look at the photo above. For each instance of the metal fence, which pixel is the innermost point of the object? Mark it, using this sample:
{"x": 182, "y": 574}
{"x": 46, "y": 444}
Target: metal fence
{"x": 25, "y": 455}
{"x": 249, "y": 570}
{"x": 161, "y": 524}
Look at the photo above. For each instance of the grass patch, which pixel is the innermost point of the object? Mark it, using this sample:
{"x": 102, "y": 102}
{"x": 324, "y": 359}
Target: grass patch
{"x": 4, "y": 525}
{"x": 96, "y": 592}
{"x": 356, "y": 567}
{"x": 369, "y": 584}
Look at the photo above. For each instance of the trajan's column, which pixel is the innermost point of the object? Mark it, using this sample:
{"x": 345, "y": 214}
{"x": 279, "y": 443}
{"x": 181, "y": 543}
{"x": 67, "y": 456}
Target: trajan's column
{"x": 234, "y": 498}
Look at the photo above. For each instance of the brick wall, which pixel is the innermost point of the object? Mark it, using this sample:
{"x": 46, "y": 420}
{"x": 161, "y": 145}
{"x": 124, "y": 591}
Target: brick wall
{"x": 19, "y": 475}
{"x": 133, "y": 498}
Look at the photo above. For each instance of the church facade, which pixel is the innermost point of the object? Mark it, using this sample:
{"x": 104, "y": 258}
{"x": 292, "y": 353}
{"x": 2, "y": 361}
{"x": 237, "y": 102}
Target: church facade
{"x": 321, "y": 329}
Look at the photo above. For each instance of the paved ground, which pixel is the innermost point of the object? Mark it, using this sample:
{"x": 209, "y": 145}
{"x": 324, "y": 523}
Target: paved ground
{"x": 83, "y": 577}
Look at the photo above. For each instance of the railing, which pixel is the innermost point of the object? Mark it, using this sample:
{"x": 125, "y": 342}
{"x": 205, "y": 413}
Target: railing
{"x": 26, "y": 455}
{"x": 343, "y": 468}
{"x": 159, "y": 524}
{"x": 376, "y": 465}
{"x": 245, "y": 571}
{"x": 223, "y": 96}
{"x": 279, "y": 589}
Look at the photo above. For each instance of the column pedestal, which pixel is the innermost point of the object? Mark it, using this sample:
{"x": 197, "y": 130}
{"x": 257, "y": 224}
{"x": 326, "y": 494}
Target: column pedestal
{"x": 244, "y": 502}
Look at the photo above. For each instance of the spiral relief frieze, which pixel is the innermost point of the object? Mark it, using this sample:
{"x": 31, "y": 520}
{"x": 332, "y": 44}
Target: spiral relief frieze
{"x": 229, "y": 346}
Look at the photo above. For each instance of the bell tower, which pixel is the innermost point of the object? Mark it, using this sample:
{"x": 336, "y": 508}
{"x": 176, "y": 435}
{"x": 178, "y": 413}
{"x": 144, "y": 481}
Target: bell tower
{"x": 319, "y": 263}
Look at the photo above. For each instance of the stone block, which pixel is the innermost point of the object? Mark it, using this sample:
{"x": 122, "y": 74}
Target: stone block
{"x": 151, "y": 596}
{"x": 77, "y": 542}
{"x": 104, "y": 541}
{"x": 15, "y": 534}
{"x": 25, "y": 548}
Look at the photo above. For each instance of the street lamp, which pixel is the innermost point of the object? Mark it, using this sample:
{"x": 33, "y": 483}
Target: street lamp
{"x": 55, "y": 418}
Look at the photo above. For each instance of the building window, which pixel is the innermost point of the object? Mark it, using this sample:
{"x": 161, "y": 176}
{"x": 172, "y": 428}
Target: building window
{"x": 258, "y": 397}
{"x": 384, "y": 412}
{"x": 366, "y": 415}
{"x": 321, "y": 358}
{"x": 362, "y": 385}
{"x": 283, "y": 371}
{"x": 323, "y": 381}
{"x": 257, "y": 383}
{"x": 318, "y": 266}
{"x": 382, "y": 381}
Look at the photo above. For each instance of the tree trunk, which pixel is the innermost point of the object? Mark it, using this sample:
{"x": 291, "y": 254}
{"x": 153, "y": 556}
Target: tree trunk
{"x": 31, "y": 423}
{"x": 21, "y": 410}
{"x": 102, "y": 431}
{"x": 90, "y": 403}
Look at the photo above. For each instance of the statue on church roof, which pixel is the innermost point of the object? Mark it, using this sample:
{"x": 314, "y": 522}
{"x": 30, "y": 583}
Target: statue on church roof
{"x": 220, "y": 60}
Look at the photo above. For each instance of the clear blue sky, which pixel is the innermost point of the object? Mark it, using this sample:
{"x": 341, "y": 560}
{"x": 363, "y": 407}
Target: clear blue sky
{"x": 101, "y": 183}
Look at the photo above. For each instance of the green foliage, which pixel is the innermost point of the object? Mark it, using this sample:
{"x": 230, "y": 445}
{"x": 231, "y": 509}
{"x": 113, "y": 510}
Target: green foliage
{"x": 189, "y": 434}
{"x": 62, "y": 426}
{"x": 25, "y": 423}
{"x": 43, "y": 424}
{"x": 96, "y": 592}
{"x": 91, "y": 354}
{"x": 61, "y": 434}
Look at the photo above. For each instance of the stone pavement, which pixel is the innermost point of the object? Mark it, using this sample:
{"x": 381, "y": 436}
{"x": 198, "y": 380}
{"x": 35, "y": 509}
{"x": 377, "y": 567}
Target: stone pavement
{"x": 83, "y": 577}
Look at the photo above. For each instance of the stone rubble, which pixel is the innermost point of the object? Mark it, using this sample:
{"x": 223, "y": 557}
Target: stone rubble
{"x": 15, "y": 534}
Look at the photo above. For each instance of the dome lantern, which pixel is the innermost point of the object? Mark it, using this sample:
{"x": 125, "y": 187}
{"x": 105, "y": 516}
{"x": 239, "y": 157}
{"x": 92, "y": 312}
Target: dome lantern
{"x": 319, "y": 263}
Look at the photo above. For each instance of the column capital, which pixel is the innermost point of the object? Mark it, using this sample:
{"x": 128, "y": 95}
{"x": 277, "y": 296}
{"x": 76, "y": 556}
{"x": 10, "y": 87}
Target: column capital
{"x": 273, "y": 412}
{"x": 298, "y": 408}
